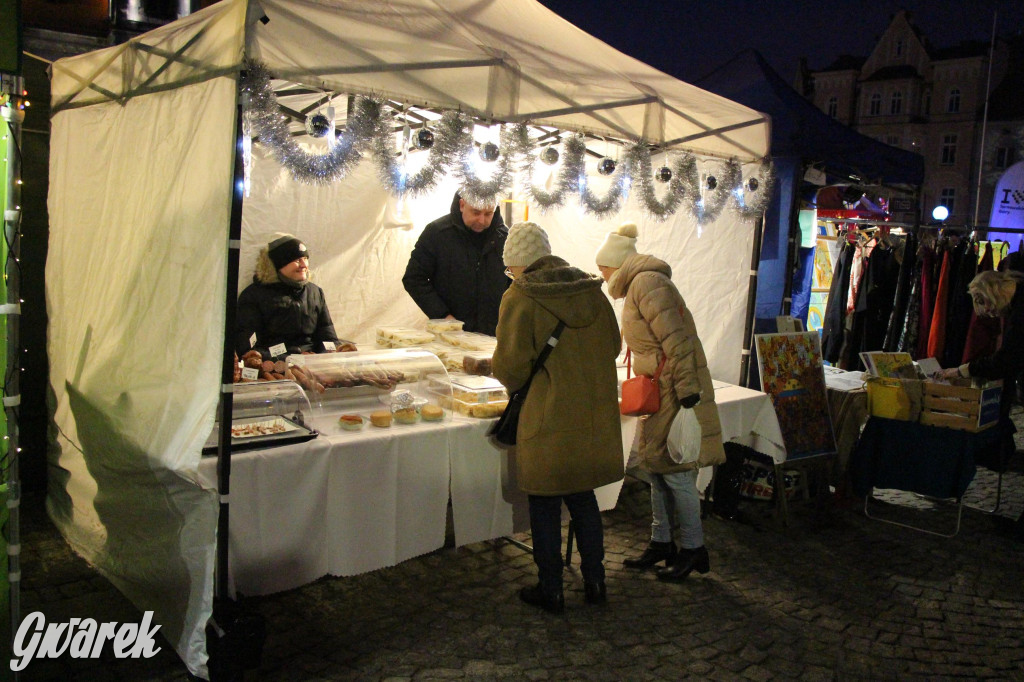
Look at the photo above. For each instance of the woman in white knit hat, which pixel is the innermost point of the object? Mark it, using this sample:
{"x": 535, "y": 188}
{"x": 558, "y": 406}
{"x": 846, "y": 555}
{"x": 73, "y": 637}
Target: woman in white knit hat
{"x": 660, "y": 332}
{"x": 569, "y": 441}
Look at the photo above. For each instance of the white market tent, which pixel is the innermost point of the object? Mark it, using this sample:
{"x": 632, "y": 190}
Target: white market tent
{"x": 141, "y": 188}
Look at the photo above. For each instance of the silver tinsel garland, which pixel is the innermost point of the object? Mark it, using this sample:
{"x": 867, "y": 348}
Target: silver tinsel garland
{"x": 370, "y": 128}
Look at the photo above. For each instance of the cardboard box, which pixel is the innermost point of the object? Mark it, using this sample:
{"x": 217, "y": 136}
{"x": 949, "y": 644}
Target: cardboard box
{"x": 968, "y": 408}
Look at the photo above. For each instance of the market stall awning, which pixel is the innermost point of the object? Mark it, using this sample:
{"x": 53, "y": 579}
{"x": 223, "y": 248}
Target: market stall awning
{"x": 509, "y": 61}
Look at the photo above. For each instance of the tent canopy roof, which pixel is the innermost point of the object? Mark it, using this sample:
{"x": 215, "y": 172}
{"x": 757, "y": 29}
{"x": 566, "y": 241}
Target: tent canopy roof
{"x": 512, "y": 60}
{"x": 801, "y": 130}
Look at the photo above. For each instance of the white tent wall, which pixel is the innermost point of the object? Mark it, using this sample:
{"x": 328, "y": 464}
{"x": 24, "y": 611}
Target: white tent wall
{"x": 139, "y": 202}
{"x": 359, "y": 253}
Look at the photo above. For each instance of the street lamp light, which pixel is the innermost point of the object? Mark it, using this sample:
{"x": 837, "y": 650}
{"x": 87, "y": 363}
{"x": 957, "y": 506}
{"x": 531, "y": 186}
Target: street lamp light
{"x": 940, "y": 213}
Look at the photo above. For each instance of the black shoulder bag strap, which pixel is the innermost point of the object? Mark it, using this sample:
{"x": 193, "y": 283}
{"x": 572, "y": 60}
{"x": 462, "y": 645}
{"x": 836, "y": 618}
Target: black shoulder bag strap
{"x": 545, "y": 352}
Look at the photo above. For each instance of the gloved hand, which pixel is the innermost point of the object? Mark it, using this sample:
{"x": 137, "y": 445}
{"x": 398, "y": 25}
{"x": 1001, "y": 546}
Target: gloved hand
{"x": 689, "y": 401}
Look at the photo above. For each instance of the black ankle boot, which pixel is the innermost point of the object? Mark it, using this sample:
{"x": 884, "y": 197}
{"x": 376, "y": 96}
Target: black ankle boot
{"x": 595, "y": 592}
{"x": 687, "y": 560}
{"x": 655, "y": 552}
{"x": 536, "y": 596}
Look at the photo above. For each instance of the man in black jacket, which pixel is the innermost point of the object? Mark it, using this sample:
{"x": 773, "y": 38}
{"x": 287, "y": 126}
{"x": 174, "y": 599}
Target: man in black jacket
{"x": 456, "y": 271}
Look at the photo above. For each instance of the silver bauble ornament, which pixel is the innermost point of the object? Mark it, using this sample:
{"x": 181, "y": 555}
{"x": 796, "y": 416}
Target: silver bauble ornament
{"x": 424, "y": 139}
{"x": 318, "y": 125}
{"x": 712, "y": 182}
{"x": 549, "y": 156}
{"x": 606, "y": 166}
{"x": 753, "y": 184}
{"x": 664, "y": 174}
{"x": 489, "y": 151}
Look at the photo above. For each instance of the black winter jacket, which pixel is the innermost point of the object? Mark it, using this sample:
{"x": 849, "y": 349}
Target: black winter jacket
{"x": 278, "y": 313}
{"x": 454, "y": 271}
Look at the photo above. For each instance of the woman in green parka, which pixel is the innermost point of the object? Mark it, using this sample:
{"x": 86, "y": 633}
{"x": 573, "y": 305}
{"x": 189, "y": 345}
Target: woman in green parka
{"x": 569, "y": 440}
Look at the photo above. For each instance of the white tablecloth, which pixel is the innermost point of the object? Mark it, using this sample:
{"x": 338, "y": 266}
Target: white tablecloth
{"x": 350, "y": 502}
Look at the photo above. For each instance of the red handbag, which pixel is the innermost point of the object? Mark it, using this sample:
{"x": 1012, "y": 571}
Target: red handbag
{"x": 640, "y": 394}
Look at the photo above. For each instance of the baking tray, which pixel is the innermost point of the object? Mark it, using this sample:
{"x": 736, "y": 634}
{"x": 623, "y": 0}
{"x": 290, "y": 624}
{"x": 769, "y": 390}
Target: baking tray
{"x": 293, "y": 432}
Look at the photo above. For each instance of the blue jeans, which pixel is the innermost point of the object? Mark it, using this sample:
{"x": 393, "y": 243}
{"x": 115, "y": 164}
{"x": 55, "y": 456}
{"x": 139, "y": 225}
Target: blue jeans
{"x": 546, "y": 526}
{"x": 676, "y": 495}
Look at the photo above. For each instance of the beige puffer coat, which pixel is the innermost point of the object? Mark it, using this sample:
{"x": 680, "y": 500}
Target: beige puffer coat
{"x": 569, "y": 438}
{"x": 656, "y": 323}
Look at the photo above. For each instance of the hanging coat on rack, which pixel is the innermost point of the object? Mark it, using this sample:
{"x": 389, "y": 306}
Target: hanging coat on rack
{"x": 960, "y": 307}
{"x": 937, "y": 333}
{"x": 904, "y": 284}
{"x": 874, "y": 303}
{"x": 835, "y": 309}
{"x": 927, "y": 297}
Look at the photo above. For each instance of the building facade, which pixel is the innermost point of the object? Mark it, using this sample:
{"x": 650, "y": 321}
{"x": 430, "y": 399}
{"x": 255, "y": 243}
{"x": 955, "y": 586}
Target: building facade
{"x": 933, "y": 102}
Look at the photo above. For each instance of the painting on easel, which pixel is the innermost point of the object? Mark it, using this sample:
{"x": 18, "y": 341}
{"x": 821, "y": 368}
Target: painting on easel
{"x": 792, "y": 375}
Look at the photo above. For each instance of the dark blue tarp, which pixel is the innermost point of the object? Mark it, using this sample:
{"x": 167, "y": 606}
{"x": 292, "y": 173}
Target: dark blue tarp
{"x": 802, "y": 135}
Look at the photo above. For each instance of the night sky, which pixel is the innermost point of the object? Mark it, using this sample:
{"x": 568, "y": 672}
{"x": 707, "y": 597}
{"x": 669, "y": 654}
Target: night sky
{"x": 690, "y": 38}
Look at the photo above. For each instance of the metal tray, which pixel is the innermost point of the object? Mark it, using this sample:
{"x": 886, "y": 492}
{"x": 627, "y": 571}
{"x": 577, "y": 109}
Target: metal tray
{"x": 293, "y": 433}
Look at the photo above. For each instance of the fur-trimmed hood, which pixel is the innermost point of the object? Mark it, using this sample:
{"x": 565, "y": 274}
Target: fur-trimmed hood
{"x": 556, "y": 286}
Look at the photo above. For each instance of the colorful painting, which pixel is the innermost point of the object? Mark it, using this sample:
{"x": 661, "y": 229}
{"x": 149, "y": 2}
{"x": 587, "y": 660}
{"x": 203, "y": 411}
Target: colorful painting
{"x": 889, "y": 365}
{"x": 792, "y": 375}
{"x": 816, "y": 311}
{"x": 823, "y": 266}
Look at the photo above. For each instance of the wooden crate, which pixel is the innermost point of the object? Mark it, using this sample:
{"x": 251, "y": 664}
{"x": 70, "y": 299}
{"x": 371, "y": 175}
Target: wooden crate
{"x": 967, "y": 408}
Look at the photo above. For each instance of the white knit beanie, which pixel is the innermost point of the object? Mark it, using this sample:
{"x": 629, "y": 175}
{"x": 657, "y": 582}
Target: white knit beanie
{"x": 526, "y": 242}
{"x": 618, "y": 246}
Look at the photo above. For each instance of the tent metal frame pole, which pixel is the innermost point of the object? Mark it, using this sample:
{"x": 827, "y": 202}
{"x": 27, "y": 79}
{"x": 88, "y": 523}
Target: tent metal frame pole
{"x": 748, "y": 330}
{"x": 228, "y": 375}
{"x": 13, "y": 118}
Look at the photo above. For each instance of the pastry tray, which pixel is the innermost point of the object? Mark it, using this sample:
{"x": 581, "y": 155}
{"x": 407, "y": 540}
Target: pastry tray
{"x": 293, "y": 433}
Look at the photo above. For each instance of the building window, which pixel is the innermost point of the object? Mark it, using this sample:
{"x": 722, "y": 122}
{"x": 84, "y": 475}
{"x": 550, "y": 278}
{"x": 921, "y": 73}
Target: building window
{"x": 899, "y": 48}
{"x": 876, "y": 105}
{"x": 947, "y": 198}
{"x": 948, "y": 149}
{"x": 953, "y": 103}
{"x": 892, "y": 140}
{"x": 927, "y": 103}
{"x": 1005, "y": 157}
{"x": 833, "y": 107}
{"x": 896, "y": 103}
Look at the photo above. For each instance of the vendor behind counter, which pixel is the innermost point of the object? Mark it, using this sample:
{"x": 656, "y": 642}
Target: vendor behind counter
{"x": 282, "y": 312}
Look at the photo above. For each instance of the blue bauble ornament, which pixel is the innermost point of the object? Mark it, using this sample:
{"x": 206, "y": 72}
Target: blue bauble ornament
{"x": 606, "y": 166}
{"x": 318, "y": 125}
{"x": 549, "y": 156}
{"x": 489, "y": 151}
{"x": 712, "y": 182}
{"x": 664, "y": 174}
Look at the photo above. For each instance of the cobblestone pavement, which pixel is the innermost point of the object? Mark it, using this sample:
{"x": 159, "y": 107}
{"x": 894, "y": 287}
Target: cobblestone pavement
{"x": 833, "y": 596}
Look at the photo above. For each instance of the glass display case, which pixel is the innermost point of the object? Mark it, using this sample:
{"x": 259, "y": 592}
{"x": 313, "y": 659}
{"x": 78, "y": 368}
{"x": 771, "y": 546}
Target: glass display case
{"x": 266, "y": 414}
{"x": 398, "y": 386}
{"x": 471, "y": 395}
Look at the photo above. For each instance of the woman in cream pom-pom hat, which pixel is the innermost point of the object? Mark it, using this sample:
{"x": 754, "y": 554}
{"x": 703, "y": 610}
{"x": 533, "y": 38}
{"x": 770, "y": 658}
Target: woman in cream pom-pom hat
{"x": 659, "y": 330}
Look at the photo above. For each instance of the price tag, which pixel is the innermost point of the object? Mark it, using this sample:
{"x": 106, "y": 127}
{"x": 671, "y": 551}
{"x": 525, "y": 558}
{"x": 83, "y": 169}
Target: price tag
{"x": 279, "y": 349}
{"x": 252, "y": 340}
{"x": 329, "y": 346}
{"x": 250, "y": 373}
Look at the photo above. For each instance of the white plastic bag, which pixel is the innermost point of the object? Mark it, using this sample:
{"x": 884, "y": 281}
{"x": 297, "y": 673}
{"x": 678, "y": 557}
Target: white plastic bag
{"x": 684, "y": 437}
